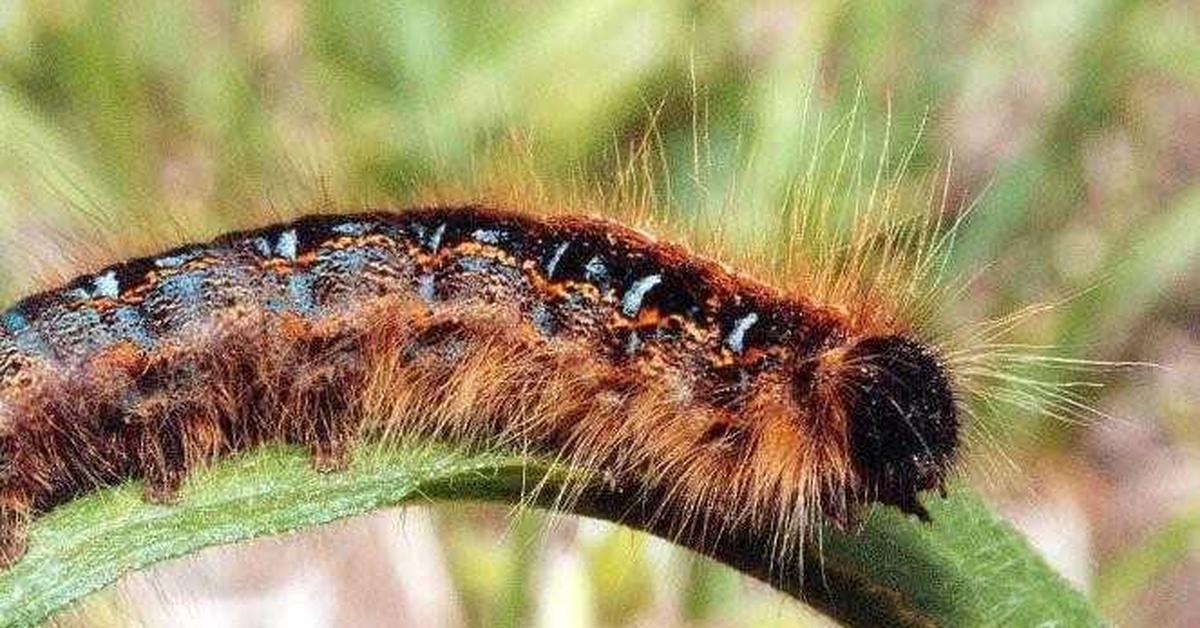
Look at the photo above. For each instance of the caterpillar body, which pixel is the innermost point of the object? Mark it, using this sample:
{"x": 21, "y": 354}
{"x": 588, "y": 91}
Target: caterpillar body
{"x": 573, "y": 337}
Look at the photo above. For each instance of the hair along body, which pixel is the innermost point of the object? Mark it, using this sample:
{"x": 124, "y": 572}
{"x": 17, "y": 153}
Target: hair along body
{"x": 738, "y": 405}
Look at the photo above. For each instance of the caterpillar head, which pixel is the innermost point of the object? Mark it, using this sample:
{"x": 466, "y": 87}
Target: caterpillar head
{"x": 897, "y": 412}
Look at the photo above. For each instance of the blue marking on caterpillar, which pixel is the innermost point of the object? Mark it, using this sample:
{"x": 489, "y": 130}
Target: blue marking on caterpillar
{"x": 631, "y": 303}
{"x": 352, "y": 228}
{"x": 129, "y": 324}
{"x": 425, "y": 288}
{"x": 555, "y": 259}
{"x": 632, "y": 343}
{"x": 174, "y": 261}
{"x": 541, "y": 318}
{"x": 182, "y": 288}
{"x": 488, "y": 236}
{"x": 346, "y": 261}
{"x": 26, "y": 338}
{"x": 475, "y": 264}
{"x": 435, "y": 239}
{"x": 15, "y": 322}
{"x": 106, "y": 285}
{"x": 262, "y": 246}
{"x": 286, "y": 246}
{"x": 75, "y": 331}
{"x": 79, "y": 294}
{"x": 595, "y": 271}
{"x": 736, "y": 340}
{"x": 299, "y": 288}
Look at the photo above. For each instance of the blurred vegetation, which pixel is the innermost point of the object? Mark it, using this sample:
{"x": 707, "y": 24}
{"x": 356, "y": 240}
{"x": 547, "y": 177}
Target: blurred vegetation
{"x": 1075, "y": 126}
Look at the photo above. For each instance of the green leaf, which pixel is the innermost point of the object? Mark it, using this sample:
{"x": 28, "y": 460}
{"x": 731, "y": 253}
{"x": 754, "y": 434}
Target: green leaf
{"x": 967, "y": 568}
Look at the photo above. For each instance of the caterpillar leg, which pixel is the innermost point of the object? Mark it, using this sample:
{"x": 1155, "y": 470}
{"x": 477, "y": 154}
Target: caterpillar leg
{"x": 161, "y": 457}
{"x": 330, "y": 448}
{"x": 14, "y": 520}
{"x": 321, "y": 401}
{"x": 319, "y": 378}
{"x": 157, "y": 441}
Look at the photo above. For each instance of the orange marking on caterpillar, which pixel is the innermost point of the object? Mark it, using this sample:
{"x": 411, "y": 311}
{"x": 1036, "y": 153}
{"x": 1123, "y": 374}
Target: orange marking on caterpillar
{"x": 574, "y": 337}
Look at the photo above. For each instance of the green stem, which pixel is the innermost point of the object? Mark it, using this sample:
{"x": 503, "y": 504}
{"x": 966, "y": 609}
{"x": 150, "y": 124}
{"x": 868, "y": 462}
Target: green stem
{"x": 967, "y": 568}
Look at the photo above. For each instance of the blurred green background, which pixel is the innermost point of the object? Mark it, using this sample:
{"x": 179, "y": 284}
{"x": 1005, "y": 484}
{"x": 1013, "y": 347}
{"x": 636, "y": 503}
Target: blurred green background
{"x": 1074, "y": 126}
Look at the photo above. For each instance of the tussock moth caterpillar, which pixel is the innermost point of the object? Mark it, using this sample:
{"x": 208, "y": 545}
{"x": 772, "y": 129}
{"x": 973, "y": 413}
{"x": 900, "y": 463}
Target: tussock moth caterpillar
{"x": 575, "y": 337}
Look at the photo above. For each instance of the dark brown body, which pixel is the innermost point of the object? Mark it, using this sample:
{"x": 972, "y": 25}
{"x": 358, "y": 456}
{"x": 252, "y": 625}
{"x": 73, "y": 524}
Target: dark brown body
{"x": 150, "y": 367}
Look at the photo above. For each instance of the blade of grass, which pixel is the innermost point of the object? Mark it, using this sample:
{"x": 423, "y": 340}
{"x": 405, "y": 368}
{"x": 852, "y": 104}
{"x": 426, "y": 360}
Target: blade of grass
{"x": 967, "y": 568}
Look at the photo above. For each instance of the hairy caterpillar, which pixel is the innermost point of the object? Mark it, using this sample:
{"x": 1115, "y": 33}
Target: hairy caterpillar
{"x": 570, "y": 336}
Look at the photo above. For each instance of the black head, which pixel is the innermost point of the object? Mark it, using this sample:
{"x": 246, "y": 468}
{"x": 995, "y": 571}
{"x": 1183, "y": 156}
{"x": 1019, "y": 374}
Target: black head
{"x": 902, "y": 420}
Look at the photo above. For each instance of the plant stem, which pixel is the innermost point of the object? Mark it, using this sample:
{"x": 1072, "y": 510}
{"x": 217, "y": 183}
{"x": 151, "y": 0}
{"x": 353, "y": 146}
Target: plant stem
{"x": 967, "y": 568}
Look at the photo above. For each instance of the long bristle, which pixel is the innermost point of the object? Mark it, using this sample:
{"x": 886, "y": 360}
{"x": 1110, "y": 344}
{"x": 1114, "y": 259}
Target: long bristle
{"x": 873, "y": 258}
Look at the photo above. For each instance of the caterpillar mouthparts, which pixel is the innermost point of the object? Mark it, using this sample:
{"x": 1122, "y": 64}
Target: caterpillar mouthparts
{"x": 574, "y": 337}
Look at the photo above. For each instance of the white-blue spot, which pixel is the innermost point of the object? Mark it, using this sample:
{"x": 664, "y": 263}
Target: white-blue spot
{"x": 425, "y": 288}
{"x": 106, "y": 285}
{"x": 14, "y": 321}
{"x": 476, "y": 264}
{"x": 129, "y": 324}
{"x": 262, "y": 246}
{"x": 487, "y": 236}
{"x": 543, "y": 321}
{"x": 352, "y": 228}
{"x": 632, "y": 343}
{"x": 79, "y": 294}
{"x": 84, "y": 323}
{"x": 299, "y": 292}
{"x": 348, "y": 262}
{"x": 286, "y": 246}
{"x": 183, "y": 288}
{"x": 435, "y": 240}
{"x": 555, "y": 259}
{"x": 595, "y": 270}
{"x": 632, "y": 301}
{"x": 172, "y": 261}
{"x": 25, "y": 337}
{"x": 736, "y": 340}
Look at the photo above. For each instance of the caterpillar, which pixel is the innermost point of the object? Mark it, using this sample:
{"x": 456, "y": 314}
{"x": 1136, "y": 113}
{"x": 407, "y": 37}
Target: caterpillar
{"x": 753, "y": 409}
